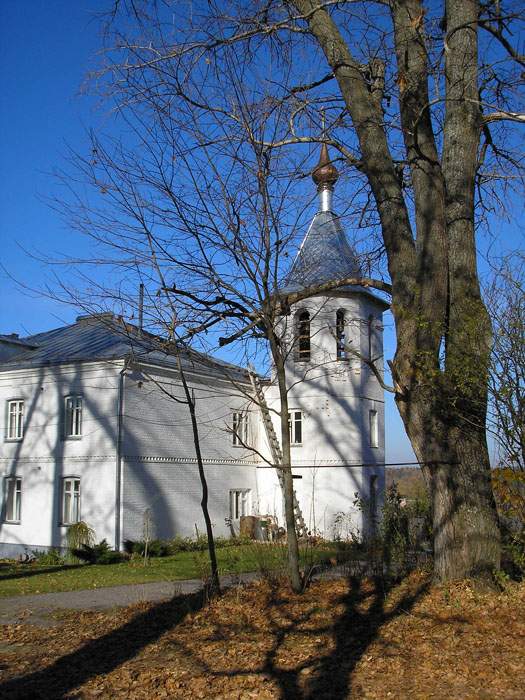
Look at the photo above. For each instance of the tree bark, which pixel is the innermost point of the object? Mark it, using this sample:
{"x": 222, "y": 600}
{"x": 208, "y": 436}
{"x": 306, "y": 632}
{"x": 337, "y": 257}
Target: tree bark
{"x": 436, "y": 300}
{"x": 215, "y": 587}
{"x": 288, "y": 489}
{"x": 454, "y": 457}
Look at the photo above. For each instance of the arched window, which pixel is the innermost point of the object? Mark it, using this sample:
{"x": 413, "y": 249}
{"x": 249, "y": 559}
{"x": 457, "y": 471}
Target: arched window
{"x": 340, "y": 335}
{"x": 303, "y": 336}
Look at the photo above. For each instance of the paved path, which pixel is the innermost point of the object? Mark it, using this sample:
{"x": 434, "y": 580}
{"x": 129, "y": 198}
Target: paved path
{"x": 38, "y": 608}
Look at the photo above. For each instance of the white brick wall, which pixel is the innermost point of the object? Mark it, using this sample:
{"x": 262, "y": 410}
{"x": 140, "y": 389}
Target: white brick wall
{"x": 158, "y": 469}
{"x": 43, "y": 458}
{"x": 172, "y": 492}
{"x": 335, "y": 399}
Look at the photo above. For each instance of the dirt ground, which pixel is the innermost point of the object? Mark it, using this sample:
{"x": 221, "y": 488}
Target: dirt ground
{"x": 340, "y": 639}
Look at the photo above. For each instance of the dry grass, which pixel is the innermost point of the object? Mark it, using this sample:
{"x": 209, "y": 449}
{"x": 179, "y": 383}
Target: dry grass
{"x": 339, "y": 640}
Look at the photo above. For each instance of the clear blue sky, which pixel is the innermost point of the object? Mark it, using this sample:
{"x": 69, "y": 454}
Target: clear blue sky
{"x": 46, "y": 49}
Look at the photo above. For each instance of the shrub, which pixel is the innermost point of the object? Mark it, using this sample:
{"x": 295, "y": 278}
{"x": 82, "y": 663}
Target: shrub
{"x": 187, "y": 544}
{"x": 51, "y": 557}
{"x": 156, "y": 548}
{"x": 509, "y": 491}
{"x": 100, "y": 553}
{"x": 163, "y": 548}
{"x": 79, "y": 534}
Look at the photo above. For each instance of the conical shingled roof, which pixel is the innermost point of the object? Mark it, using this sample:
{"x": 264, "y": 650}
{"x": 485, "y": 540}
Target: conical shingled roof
{"x": 324, "y": 255}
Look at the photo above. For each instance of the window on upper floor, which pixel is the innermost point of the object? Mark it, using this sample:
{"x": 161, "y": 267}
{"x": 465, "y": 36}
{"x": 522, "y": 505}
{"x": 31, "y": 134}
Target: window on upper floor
{"x": 295, "y": 427}
{"x": 15, "y": 419}
{"x": 240, "y": 503}
{"x": 340, "y": 335}
{"x": 302, "y": 336}
{"x": 70, "y": 500}
{"x": 240, "y": 428}
{"x": 373, "y": 428}
{"x": 73, "y": 416}
{"x": 13, "y": 499}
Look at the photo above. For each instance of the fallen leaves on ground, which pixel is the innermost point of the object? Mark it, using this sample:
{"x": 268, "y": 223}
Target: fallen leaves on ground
{"x": 340, "y": 639}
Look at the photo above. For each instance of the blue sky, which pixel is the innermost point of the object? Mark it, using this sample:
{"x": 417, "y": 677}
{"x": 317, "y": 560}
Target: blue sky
{"x": 46, "y": 49}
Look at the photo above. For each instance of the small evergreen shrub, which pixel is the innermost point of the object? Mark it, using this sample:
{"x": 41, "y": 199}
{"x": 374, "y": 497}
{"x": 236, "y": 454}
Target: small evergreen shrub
{"x": 100, "y": 553}
{"x": 164, "y": 548}
{"x": 156, "y": 548}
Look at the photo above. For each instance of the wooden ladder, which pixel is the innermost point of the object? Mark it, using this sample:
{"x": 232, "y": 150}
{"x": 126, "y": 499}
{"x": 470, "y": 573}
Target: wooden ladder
{"x": 275, "y": 449}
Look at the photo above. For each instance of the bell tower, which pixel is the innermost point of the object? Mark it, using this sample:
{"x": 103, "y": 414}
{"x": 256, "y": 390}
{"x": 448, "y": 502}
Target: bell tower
{"x": 336, "y": 402}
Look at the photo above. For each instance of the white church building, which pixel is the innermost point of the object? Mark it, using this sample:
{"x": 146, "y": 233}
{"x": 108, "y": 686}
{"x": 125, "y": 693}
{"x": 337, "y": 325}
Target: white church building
{"x": 91, "y": 430}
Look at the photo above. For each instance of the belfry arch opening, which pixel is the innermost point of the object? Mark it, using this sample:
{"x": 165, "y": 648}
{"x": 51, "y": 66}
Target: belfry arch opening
{"x": 340, "y": 335}
{"x": 302, "y": 336}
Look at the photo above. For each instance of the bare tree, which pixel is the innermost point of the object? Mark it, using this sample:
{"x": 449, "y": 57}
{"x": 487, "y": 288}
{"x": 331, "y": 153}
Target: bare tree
{"x": 218, "y": 103}
{"x": 506, "y": 305}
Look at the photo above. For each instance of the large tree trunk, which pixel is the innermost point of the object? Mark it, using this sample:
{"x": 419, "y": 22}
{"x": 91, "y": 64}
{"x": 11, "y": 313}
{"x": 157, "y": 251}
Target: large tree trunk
{"x": 435, "y": 290}
{"x": 456, "y": 467}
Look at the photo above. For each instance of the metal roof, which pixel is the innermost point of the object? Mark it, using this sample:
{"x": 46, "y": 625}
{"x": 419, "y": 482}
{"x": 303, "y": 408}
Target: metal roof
{"x": 107, "y": 337}
{"x": 324, "y": 255}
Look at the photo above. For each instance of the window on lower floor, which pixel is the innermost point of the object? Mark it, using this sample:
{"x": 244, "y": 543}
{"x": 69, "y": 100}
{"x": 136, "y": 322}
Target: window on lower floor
{"x": 240, "y": 428}
{"x": 70, "y": 500}
{"x": 240, "y": 503}
{"x": 295, "y": 426}
{"x": 15, "y": 420}
{"x": 13, "y": 499}
{"x": 73, "y": 416}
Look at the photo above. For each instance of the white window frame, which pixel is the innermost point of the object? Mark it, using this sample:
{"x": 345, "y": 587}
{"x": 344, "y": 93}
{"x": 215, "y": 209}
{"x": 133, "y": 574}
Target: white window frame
{"x": 15, "y": 419}
{"x": 240, "y": 503}
{"x": 373, "y": 426}
{"x": 13, "y": 499}
{"x": 240, "y": 428}
{"x": 70, "y": 500}
{"x": 73, "y": 407}
{"x": 295, "y": 427}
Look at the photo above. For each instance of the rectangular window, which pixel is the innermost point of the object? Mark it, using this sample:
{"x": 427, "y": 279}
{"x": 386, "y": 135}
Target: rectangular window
{"x": 239, "y": 503}
{"x": 73, "y": 416}
{"x": 374, "y": 429}
{"x": 240, "y": 429}
{"x": 15, "y": 419}
{"x": 295, "y": 426}
{"x": 13, "y": 501}
{"x": 70, "y": 500}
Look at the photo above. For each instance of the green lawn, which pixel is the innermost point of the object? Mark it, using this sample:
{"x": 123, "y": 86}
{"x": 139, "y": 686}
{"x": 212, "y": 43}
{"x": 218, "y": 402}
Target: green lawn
{"x": 25, "y": 579}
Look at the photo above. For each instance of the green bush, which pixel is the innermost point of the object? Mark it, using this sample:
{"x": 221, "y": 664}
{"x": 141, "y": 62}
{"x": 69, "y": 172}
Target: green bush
{"x": 77, "y": 535}
{"x": 51, "y": 557}
{"x": 163, "y": 548}
{"x": 156, "y": 548}
{"x": 100, "y": 553}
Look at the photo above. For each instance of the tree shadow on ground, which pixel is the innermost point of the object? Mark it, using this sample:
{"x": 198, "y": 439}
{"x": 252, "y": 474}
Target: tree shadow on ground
{"x": 102, "y": 655}
{"x": 330, "y": 674}
{"x": 37, "y": 572}
{"x": 353, "y": 632}
{"x": 326, "y": 674}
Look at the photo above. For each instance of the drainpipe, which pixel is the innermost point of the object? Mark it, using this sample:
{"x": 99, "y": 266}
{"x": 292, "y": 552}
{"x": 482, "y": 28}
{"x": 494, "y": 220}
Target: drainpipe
{"x": 118, "y": 463}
